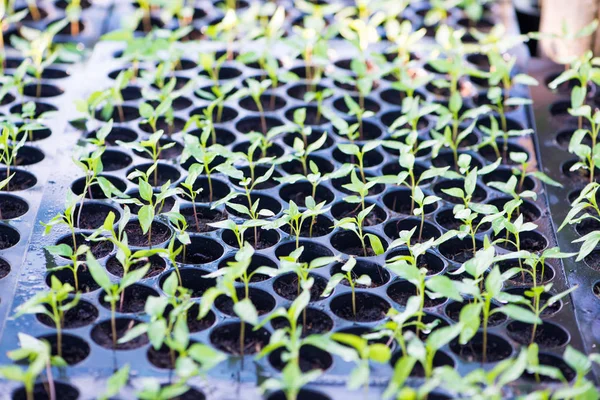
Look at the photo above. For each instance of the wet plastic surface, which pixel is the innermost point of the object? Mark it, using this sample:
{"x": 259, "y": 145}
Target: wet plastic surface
{"x": 56, "y": 175}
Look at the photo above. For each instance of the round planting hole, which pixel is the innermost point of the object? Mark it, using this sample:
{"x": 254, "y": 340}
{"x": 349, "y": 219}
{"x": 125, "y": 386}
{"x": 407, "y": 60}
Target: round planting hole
{"x": 459, "y": 250}
{"x": 379, "y": 276}
{"x": 401, "y": 201}
{"x": 263, "y": 302}
{"x": 226, "y": 337}
{"x": 9, "y": 237}
{"x": 162, "y": 174}
{"x": 454, "y": 308}
{"x": 369, "y": 307}
{"x": 497, "y": 349}
{"x": 62, "y": 391}
{"x": 133, "y": 299}
{"x": 311, "y": 358}
{"x": 157, "y": 234}
{"x": 22, "y": 180}
{"x": 93, "y": 215}
{"x": 113, "y": 160}
{"x": 192, "y": 279}
{"x": 72, "y": 348}
{"x": 12, "y": 207}
{"x": 256, "y": 261}
{"x": 265, "y": 203}
{"x": 157, "y": 266}
{"x": 199, "y": 222}
{"x": 348, "y": 242}
{"x": 95, "y": 191}
{"x": 200, "y": 251}
{"x": 547, "y": 335}
{"x": 299, "y": 191}
{"x": 343, "y": 209}
{"x": 287, "y": 287}
{"x": 311, "y": 250}
{"x": 422, "y": 234}
{"x": 430, "y": 261}
{"x": 82, "y": 314}
{"x": 310, "y": 228}
{"x": 313, "y": 322}
{"x": 99, "y": 249}
{"x": 400, "y": 291}
{"x": 102, "y": 334}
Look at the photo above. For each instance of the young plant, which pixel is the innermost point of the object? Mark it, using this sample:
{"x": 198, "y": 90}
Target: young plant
{"x": 351, "y": 278}
{"x": 67, "y": 218}
{"x": 116, "y": 382}
{"x": 256, "y": 90}
{"x": 355, "y": 224}
{"x": 38, "y": 354}
{"x": 112, "y": 290}
{"x": 152, "y": 115}
{"x": 290, "y": 339}
{"x": 365, "y": 353}
{"x": 292, "y": 263}
{"x": 9, "y": 148}
{"x": 295, "y": 218}
{"x": 53, "y": 303}
{"x": 226, "y": 285}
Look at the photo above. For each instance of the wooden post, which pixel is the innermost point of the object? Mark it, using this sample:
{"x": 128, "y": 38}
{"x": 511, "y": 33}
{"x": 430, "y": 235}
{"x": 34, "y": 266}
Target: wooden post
{"x": 575, "y": 14}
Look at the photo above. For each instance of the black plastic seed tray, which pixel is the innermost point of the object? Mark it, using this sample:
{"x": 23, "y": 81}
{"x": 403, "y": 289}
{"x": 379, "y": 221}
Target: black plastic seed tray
{"x": 555, "y": 128}
{"x": 96, "y": 360}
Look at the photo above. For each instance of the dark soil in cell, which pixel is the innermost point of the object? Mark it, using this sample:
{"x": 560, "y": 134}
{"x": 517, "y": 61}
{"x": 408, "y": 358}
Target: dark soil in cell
{"x": 82, "y": 314}
{"x": 287, "y": 287}
{"x": 85, "y": 282}
{"x": 379, "y": 276}
{"x": 548, "y": 311}
{"x": 63, "y": 391}
{"x": 12, "y": 207}
{"x": 115, "y": 160}
{"x": 401, "y": 291}
{"x": 497, "y": 349}
{"x": 554, "y": 362}
{"x": 93, "y": 215}
{"x": 95, "y": 191}
{"x": 348, "y": 242}
{"x": 459, "y": 250}
{"x": 530, "y": 211}
{"x": 4, "y": 268}
{"x": 73, "y": 349}
{"x": 226, "y": 337}
{"x": 342, "y": 210}
{"x": 431, "y": 262}
{"x": 204, "y": 216}
{"x": 263, "y": 302}
{"x": 157, "y": 234}
{"x": 167, "y": 153}
{"x": 299, "y": 191}
{"x": 401, "y": 202}
{"x": 318, "y": 227}
{"x": 369, "y": 307}
{"x": 256, "y": 262}
{"x": 169, "y": 128}
{"x": 311, "y": 358}
{"x": 21, "y": 180}
{"x": 133, "y": 299}
{"x": 200, "y": 251}
{"x": 99, "y": 249}
{"x": 526, "y": 277}
{"x": 454, "y": 308}
{"x": 304, "y": 394}
{"x": 547, "y": 335}
{"x": 268, "y": 103}
{"x": 157, "y": 266}
{"x": 317, "y": 322}
{"x": 258, "y": 238}
{"x": 192, "y": 279}
{"x": 102, "y": 334}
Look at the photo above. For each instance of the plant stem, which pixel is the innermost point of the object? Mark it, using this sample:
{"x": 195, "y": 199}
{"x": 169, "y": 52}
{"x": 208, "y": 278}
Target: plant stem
{"x": 51, "y": 388}
{"x": 113, "y": 323}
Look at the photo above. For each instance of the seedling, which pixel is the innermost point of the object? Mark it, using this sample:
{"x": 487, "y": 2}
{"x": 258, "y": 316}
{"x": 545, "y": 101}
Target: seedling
{"x": 292, "y": 263}
{"x": 64, "y": 250}
{"x": 7, "y": 18}
{"x": 116, "y": 382}
{"x": 355, "y": 224}
{"x": 351, "y": 278}
{"x": 37, "y": 46}
{"x": 152, "y": 115}
{"x": 319, "y": 96}
{"x": 534, "y": 303}
{"x": 152, "y": 147}
{"x": 407, "y": 267}
{"x": 365, "y": 353}
{"x": 54, "y": 304}
{"x": 290, "y": 338}
{"x": 9, "y": 149}
{"x": 39, "y": 356}
{"x": 295, "y": 218}
{"x": 589, "y": 155}
{"x": 226, "y": 278}
{"x": 67, "y": 218}
{"x": 112, "y": 290}
{"x": 302, "y": 152}
{"x": 256, "y": 90}
{"x": 493, "y": 135}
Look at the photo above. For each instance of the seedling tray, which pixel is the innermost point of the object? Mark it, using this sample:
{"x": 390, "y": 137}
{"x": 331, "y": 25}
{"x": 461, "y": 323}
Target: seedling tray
{"x": 56, "y": 175}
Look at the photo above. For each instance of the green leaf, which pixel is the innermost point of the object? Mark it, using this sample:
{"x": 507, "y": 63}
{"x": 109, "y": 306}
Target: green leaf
{"x": 246, "y": 311}
{"x": 100, "y": 276}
